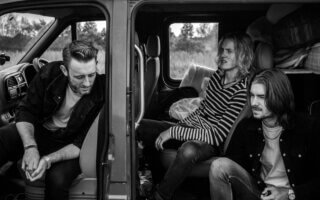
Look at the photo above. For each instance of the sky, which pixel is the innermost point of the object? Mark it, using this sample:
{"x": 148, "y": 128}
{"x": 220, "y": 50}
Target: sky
{"x": 176, "y": 28}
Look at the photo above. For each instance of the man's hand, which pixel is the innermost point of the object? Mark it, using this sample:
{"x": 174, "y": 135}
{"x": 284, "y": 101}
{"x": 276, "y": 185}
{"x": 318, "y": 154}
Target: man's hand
{"x": 275, "y": 193}
{"x": 162, "y": 138}
{"x": 40, "y": 171}
{"x": 30, "y": 160}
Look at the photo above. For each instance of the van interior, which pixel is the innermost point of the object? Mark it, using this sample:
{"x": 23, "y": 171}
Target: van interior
{"x": 280, "y": 40}
{"x": 173, "y": 47}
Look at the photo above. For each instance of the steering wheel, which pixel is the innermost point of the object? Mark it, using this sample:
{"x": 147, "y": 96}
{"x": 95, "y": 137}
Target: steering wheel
{"x": 38, "y": 63}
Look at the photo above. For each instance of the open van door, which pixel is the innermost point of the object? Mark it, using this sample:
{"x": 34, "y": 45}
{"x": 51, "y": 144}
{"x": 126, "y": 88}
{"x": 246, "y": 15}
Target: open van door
{"x": 35, "y": 32}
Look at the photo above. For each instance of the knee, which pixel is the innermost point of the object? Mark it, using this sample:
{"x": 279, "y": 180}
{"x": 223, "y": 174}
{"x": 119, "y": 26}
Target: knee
{"x": 188, "y": 152}
{"x": 56, "y": 181}
{"x": 220, "y": 167}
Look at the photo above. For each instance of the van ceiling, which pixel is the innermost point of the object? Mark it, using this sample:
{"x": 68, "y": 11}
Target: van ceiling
{"x": 201, "y": 8}
{"x": 85, "y": 12}
{"x": 150, "y": 16}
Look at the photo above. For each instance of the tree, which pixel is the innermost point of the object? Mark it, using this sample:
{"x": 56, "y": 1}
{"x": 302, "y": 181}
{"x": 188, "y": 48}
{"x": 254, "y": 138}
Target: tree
{"x": 172, "y": 39}
{"x": 187, "y": 31}
{"x": 38, "y": 25}
{"x": 203, "y": 30}
{"x": 9, "y": 25}
{"x": 89, "y": 28}
{"x": 89, "y": 31}
{"x": 103, "y": 33}
{"x": 26, "y": 27}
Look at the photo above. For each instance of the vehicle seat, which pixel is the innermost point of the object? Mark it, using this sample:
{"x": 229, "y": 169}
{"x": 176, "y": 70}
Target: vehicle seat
{"x": 194, "y": 77}
{"x": 152, "y": 68}
{"x": 85, "y": 185}
{"x": 202, "y": 169}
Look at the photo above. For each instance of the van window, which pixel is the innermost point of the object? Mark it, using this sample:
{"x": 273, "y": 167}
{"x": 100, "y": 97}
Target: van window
{"x": 18, "y": 32}
{"x": 192, "y": 44}
{"x": 94, "y": 31}
{"x": 55, "y": 49}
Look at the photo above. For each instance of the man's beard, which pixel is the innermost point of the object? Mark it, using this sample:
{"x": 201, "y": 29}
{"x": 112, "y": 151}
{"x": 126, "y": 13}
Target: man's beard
{"x": 76, "y": 89}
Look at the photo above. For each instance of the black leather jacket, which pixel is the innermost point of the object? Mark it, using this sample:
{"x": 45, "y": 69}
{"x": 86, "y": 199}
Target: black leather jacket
{"x": 45, "y": 95}
{"x": 299, "y": 146}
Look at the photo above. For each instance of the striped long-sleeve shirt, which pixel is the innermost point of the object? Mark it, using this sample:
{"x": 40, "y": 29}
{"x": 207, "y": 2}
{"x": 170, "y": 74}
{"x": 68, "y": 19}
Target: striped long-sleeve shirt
{"x": 212, "y": 121}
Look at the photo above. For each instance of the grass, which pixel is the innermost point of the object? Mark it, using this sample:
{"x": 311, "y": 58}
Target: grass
{"x": 180, "y": 61}
{"x": 15, "y": 57}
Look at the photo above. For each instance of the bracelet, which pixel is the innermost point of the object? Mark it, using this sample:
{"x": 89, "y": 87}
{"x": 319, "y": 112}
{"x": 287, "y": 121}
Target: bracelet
{"x": 48, "y": 161}
{"x": 30, "y": 146}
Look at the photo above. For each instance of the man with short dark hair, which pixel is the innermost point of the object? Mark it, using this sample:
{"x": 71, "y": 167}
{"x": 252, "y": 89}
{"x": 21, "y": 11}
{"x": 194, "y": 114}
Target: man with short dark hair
{"x": 53, "y": 118}
{"x": 273, "y": 154}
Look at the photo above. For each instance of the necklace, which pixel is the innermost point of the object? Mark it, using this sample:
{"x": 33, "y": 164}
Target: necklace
{"x": 267, "y": 131}
{"x": 271, "y": 138}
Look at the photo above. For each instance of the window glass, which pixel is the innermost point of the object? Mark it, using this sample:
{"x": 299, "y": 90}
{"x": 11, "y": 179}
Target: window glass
{"x": 54, "y": 52}
{"x": 94, "y": 31}
{"x": 192, "y": 44}
{"x": 18, "y": 32}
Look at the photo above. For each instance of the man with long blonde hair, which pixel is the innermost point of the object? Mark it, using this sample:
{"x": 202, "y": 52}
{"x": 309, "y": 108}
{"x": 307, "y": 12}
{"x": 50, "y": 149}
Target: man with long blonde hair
{"x": 200, "y": 135}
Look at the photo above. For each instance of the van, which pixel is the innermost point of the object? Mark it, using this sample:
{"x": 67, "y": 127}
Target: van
{"x": 147, "y": 48}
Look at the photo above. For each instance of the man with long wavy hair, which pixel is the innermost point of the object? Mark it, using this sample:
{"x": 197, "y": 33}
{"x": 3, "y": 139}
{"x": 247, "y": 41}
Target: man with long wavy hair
{"x": 272, "y": 155}
{"x": 199, "y": 136}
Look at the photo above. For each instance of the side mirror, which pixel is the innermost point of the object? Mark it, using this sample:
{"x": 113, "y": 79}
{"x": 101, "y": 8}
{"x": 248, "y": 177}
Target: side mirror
{"x": 4, "y": 58}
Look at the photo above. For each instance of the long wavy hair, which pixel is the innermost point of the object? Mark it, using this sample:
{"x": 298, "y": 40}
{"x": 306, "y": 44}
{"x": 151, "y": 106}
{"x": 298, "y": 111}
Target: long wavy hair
{"x": 279, "y": 95}
{"x": 243, "y": 50}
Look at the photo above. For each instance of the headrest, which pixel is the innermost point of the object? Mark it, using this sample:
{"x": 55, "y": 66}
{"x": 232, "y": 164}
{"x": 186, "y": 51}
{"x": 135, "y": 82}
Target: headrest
{"x": 153, "y": 46}
{"x": 260, "y": 32}
{"x": 263, "y": 56}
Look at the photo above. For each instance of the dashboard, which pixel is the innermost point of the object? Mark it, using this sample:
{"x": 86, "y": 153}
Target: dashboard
{"x": 16, "y": 86}
{"x": 14, "y": 82}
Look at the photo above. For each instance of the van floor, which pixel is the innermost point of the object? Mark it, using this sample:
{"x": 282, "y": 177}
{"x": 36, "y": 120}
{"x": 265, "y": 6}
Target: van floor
{"x": 193, "y": 189}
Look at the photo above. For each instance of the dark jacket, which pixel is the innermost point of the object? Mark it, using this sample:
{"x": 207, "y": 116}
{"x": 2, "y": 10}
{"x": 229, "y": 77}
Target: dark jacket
{"x": 45, "y": 95}
{"x": 299, "y": 146}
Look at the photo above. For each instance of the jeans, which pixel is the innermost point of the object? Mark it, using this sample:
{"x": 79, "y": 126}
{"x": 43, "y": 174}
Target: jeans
{"x": 147, "y": 132}
{"x": 59, "y": 177}
{"x": 189, "y": 153}
{"x": 229, "y": 181}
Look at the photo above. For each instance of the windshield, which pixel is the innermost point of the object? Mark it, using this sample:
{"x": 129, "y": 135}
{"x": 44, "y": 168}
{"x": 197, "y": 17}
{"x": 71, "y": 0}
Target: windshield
{"x": 18, "y": 32}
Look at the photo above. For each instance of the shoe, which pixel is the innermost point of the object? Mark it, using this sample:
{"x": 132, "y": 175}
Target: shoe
{"x": 146, "y": 185}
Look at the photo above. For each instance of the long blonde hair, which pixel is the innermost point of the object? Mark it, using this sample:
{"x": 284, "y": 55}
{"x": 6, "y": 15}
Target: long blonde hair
{"x": 243, "y": 47}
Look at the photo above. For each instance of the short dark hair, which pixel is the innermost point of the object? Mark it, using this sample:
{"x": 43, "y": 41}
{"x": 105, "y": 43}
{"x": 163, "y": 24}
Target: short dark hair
{"x": 80, "y": 50}
{"x": 243, "y": 46}
{"x": 279, "y": 95}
